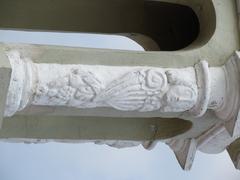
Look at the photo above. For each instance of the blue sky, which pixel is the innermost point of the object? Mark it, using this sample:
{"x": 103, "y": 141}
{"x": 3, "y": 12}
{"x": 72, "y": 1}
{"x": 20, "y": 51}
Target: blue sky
{"x": 60, "y": 161}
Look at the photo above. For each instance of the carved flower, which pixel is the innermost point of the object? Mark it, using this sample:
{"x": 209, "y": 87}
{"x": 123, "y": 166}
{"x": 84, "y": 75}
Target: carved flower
{"x": 59, "y": 96}
{"x": 155, "y": 80}
{"x": 66, "y": 93}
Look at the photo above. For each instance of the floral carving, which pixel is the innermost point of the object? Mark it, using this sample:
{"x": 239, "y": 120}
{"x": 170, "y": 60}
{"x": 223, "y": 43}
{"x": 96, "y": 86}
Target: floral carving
{"x": 142, "y": 89}
{"x": 155, "y": 80}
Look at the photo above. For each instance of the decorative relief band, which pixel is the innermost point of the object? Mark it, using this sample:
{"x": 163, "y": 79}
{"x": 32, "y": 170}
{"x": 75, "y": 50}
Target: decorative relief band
{"x": 140, "y": 89}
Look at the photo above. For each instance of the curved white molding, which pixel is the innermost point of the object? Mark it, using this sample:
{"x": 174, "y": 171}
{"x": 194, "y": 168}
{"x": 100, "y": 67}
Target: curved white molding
{"x": 203, "y": 83}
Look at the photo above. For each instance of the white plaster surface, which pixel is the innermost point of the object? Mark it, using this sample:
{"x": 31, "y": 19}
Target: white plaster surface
{"x": 141, "y": 89}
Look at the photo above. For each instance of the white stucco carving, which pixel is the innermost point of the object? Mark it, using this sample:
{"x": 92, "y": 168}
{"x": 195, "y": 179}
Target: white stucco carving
{"x": 140, "y": 89}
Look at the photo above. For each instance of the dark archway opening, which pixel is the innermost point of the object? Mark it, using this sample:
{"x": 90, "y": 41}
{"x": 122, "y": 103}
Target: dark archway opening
{"x": 172, "y": 26}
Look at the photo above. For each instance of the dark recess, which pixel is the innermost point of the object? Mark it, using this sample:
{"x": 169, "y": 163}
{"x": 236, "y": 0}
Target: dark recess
{"x": 172, "y": 26}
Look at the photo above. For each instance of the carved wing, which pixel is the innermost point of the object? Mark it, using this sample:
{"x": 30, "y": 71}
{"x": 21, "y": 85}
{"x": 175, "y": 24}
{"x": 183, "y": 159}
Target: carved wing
{"x": 125, "y": 93}
{"x": 139, "y": 90}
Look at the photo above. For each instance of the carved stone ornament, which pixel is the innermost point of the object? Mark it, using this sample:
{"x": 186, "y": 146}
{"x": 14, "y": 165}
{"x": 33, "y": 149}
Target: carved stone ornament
{"x": 142, "y": 89}
{"x": 189, "y": 91}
